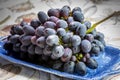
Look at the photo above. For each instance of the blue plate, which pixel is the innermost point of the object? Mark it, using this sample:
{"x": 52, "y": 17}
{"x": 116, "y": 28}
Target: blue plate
{"x": 108, "y": 61}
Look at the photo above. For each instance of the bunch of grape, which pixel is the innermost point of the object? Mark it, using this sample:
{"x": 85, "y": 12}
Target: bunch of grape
{"x": 57, "y": 40}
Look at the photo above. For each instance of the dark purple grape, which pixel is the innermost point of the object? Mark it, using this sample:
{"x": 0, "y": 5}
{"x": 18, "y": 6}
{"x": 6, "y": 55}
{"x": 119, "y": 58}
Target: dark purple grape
{"x": 61, "y": 32}
{"x": 61, "y": 24}
{"x": 53, "y": 19}
{"x": 87, "y": 55}
{"x": 31, "y": 49}
{"x": 73, "y": 58}
{"x": 81, "y": 30}
{"x": 67, "y": 7}
{"x": 14, "y": 38}
{"x": 64, "y": 12}
{"x": 42, "y": 17}
{"x": 49, "y": 24}
{"x": 17, "y": 29}
{"x": 16, "y": 47}
{"x": 70, "y": 19}
{"x": 41, "y": 41}
{"x": 76, "y": 49}
{"x": 38, "y": 50}
{"x": 57, "y": 65}
{"x": 53, "y": 12}
{"x": 49, "y": 31}
{"x": 85, "y": 46}
{"x": 91, "y": 63}
{"x": 24, "y": 48}
{"x": 40, "y": 31}
{"x": 67, "y": 55}
{"x": 69, "y": 67}
{"x": 23, "y": 23}
{"x": 78, "y": 16}
{"x": 28, "y": 30}
{"x": 8, "y": 46}
{"x": 35, "y": 23}
{"x": 84, "y": 59}
{"x": 99, "y": 36}
{"x": 100, "y": 44}
{"x": 80, "y": 68}
{"x": 87, "y": 24}
{"x": 74, "y": 25}
{"x": 47, "y": 50}
{"x": 33, "y": 39}
{"x": 76, "y": 9}
{"x": 95, "y": 49}
{"x": 26, "y": 40}
{"x": 89, "y": 37}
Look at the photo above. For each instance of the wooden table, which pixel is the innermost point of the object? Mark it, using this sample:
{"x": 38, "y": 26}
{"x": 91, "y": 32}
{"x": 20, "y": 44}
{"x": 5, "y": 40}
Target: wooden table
{"x": 28, "y": 9}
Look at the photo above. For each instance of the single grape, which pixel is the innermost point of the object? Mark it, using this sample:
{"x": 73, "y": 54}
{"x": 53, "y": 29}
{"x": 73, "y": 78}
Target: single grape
{"x": 52, "y": 40}
{"x": 24, "y": 48}
{"x": 64, "y": 12}
{"x": 25, "y": 40}
{"x": 53, "y": 12}
{"x": 66, "y": 38}
{"x": 38, "y": 50}
{"x": 100, "y": 44}
{"x": 67, "y": 7}
{"x": 49, "y": 24}
{"x": 33, "y": 39}
{"x": 75, "y": 40}
{"x": 28, "y": 30}
{"x": 53, "y": 19}
{"x": 45, "y": 58}
{"x": 23, "y": 23}
{"x": 89, "y": 37}
{"x": 54, "y": 57}
{"x": 41, "y": 41}
{"x": 8, "y": 46}
{"x": 70, "y": 19}
{"x": 47, "y": 50}
{"x": 85, "y": 46}
{"x": 58, "y": 51}
{"x": 80, "y": 68}
{"x": 49, "y": 31}
{"x": 18, "y": 30}
{"x": 76, "y": 9}
{"x": 87, "y": 55}
{"x": 35, "y": 23}
{"x": 31, "y": 49}
{"x": 78, "y": 16}
{"x": 73, "y": 58}
{"x": 67, "y": 55}
{"x": 99, "y": 36}
{"x": 84, "y": 59}
{"x": 42, "y": 17}
{"x": 95, "y": 49}
{"x": 69, "y": 67}
{"x": 91, "y": 63}
{"x": 87, "y": 24}
{"x": 74, "y": 25}
{"x": 14, "y": 39}
{"x": 40, "y": 31}
{"x": 81, "y": 30}
{"x": 57, "y": 65}
{"x": 16, "y": 47}
{"x": 61, "y": 32}
{"x": 61, "y": 24}
{"x": 76, "y": 49}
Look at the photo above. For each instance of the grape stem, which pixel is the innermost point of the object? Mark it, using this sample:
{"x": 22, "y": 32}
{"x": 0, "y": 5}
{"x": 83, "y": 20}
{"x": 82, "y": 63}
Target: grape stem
{"x": 99, "y": 22}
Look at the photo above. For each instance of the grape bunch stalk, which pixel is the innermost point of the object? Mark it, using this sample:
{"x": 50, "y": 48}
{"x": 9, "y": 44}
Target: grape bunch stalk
{"x": 60, "y": 39}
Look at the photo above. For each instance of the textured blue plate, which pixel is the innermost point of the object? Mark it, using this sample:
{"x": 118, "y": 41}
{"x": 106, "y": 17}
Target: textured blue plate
{"x": 108, "y": 62}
